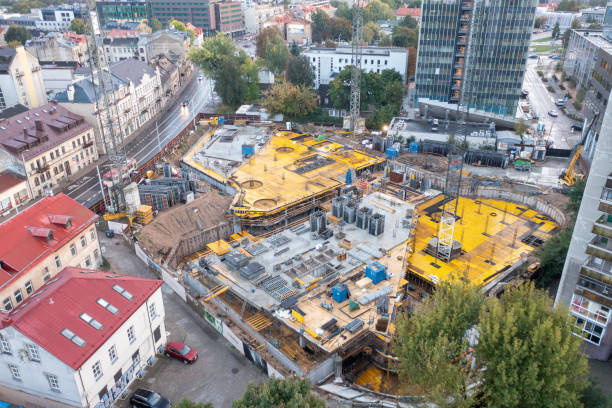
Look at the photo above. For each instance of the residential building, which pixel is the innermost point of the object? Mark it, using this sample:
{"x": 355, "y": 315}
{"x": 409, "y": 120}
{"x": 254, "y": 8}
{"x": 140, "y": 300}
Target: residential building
{"x": 58, "y": 47}
{"x": 119, "y": 49}
{"x": 137, "y": 95}
{"x": 51, "y": 141}
{"x": 53, "y": 233}
{"x": 413, "y": 12}
{"x": 121, "y": 11}
{"x": 172, "y": 44}
{"x": 586, "y": 282}
{"x": 20, "y": 79}
{"x": 582, "y": 50}
{"x": 169, "y": 75}
{"x": 328, "y": 62}
{"x": 256, "y": 16}
{"x": 13, "y": 191}
{"x": 471, "y": 40}
{"x": 198, "y": 34}
{"x": 228, "y": 17}
{"x": 563, "y": 18}
{"x": 593, "y": 15}
{"x": 294, "y": 29}
{"x": 57, "y": 76}
{"x": 82, "y": 338}
{"x": 58, "y": 18}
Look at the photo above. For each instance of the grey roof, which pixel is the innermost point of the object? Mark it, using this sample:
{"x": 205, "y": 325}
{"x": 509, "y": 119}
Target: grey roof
{"x": 121, "y": 41}
{"x": 84, "y": 91}
{"x": 6, "y": 58}
{"x": 132, "y": 70}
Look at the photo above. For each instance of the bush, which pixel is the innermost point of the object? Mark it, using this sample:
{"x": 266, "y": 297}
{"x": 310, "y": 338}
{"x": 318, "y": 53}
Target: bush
{"x": 550, "y": 88}
{"x": 561, "y": 87}
{"x": 577, "y": 106}
{"x": 540, "y": 74}
{"x": 544, "y": 79}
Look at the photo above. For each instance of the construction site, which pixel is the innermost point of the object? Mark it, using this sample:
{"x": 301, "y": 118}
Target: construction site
{"x": 308, "y": 248}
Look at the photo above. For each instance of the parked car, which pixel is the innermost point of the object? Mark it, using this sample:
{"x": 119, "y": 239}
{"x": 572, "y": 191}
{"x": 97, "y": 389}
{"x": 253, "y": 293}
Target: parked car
{"x": 524, "y": 93}
{"x": 560, "y": 102}
{"x": 185, "y": 103}
{"x": 533, "y": 56}
{"x": 577, "y": 126}
{"x": 555, "y": 57}
{"x": 181, "y": 352}
{"x": 142, "y": 398}
{"x": 554, "y": 113}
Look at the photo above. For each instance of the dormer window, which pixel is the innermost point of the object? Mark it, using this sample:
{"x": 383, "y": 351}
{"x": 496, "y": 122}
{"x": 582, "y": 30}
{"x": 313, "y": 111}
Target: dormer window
{"x": 58, "y": 219}
{"x": 40, "y": 232}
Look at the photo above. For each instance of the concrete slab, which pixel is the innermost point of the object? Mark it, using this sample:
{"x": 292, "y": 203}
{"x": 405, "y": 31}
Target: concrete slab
{"x": 344, "y": 392}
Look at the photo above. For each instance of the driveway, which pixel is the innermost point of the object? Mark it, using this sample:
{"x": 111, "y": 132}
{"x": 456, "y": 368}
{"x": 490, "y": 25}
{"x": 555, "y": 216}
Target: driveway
{"x": 220, "y": 375}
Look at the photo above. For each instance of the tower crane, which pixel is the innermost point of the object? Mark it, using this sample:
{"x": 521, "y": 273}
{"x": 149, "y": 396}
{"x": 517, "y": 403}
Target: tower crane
{"x": 108, "y": 116}
{"x": 356, "y": 54}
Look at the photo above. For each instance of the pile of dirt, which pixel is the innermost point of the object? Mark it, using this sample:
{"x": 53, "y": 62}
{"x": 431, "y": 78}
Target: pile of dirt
{"x": 169, "y": 227}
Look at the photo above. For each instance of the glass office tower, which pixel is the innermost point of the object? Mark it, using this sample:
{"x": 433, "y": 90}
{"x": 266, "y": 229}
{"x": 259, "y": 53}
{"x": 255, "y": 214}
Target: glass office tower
{"x": 473, "y": 52}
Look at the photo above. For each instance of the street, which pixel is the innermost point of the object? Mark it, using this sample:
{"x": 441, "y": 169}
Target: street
{"x": 86, "y": 190}
{"x": 219, "y": 376}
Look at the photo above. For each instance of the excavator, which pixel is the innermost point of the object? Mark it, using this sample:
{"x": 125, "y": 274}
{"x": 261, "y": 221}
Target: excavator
{"x": 570, "y": 176}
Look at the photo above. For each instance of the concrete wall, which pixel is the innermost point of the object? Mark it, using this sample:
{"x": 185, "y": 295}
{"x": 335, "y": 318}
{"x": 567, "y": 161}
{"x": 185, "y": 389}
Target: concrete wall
{"x": 198, "y": 241}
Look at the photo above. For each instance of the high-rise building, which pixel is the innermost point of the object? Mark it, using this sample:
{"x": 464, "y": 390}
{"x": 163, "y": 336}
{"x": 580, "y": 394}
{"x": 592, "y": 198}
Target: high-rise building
{"x": 586, "y": 283}
{"x": 121, "y": 11}
{"x": 474, "y": 52}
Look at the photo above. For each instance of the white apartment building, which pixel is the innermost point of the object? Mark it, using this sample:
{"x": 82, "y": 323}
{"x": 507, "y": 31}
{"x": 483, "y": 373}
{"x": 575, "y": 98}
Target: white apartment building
{"x": 81, "y": 339}
{"x": 55, "y": 18}
{"x": 21, "y": 81}
{"x": 119, "y": 49}
{"x": 327, "y": 62}
{"x": 138, "y": 96}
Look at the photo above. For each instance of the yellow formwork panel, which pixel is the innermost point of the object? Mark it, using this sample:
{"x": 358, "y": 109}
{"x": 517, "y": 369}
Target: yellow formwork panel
{"x": 220, "y": 247}
{"x": 270, "y": 181}
{"x": 487, "y": 237}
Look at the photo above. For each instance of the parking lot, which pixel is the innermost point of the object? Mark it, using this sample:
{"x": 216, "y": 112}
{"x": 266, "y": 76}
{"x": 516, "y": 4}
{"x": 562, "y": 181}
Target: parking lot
{"x": 220, "y": 375}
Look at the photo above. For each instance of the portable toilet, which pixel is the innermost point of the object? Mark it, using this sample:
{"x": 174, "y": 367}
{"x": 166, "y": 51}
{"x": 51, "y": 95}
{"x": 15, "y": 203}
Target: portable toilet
{"x": 340, "y": 293}
{"x": 376, "y": 272}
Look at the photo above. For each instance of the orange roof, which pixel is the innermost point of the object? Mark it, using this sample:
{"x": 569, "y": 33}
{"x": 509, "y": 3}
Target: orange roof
{"x": 408, "y": 11}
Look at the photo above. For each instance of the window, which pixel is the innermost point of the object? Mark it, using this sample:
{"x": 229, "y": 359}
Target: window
{"x": 136, "y": 358}
{"x": 152, "y": 311}
{"x": 73, "y": 250}
{"x": 92, "y": 235}
{"x": 15, "y": 372}
{"x": 112, "y": 353}
{"x": 29, "y": 287}
{"x": 33, "y": 352}
{"x": 18, "y": 296}
{"x": 97, "y": 370}
{"x": 73, "y": 337}
{"x": 102, "y": 393}
{"x": 91, "y": 321}
{"x": 123, "y": 292}
{"x": 131, "y": 334}
{"x": 96, "y": 254}
{"x": 58, "y": 262}
{"x": 53, "y": 383}
{"x": 87, "y": 261}
{"x": 83, "y": 241}
{"x": 5, "y": 346}
{"x": 107, "y": 306}
{"x": 157, "y": 334}
{"x": 8, "y": 304}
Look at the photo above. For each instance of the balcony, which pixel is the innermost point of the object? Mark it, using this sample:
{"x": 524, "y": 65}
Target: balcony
{"x": 600, "y": 247}
{"x": 595, "y": 286}
{"x": 597, "y": 269}
{"x": 87, "y": 144}
{"x": 463, "y": 29}
{"x": 603, "y": 226}
{"x": 466, "y": 6}
{"x": 42, "y": 169}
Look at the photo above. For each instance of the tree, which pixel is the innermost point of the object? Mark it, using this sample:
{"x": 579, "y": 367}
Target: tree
{"x": 294, "y": 49}
{"x": 320, "y": 26}
{"x": 565, "y": 38}
{"x": 180, "y": 26}
{"x": 228, "y": 83}
{"x": 78, "y": 26}
{"x": 385, "y": 41}
{"x": 277, "y": 55}
{"x": 214, "y": 49}
{"x": 405, "y": 37}
{"x": 250, "y": 75}
{"x": 185, "y": 403}
{"x": 341, "y": 29}
{"x": 377, "y": 10}
{"x": 330, "y": 44}
{"x": 538, "y": 22}
{"x": 576, "y": 24}
{"x": 409, "y": 22}
{"x": 299, "y": 71}
{"x": 268, "y": 34}
{"x": 532, "y": 357}
{"x": 370, "y": 32}
{"x": 17, "y": 33}
{"x": 555, "y": 31}
{"x": 155, "y": 25}
{"x": 430, "y": 343}
{"x": 291, "y": 100}
{"x": 279, "y": 393}
{"x": 520, "y": 128}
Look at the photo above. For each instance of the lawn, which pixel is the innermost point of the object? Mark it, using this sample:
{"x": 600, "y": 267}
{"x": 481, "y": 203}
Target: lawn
{"x": 539, "y": 40}
{"x": 542, "y": 48}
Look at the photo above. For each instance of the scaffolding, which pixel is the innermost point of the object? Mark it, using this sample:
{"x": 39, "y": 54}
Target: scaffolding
{"x": 452, "y": 186}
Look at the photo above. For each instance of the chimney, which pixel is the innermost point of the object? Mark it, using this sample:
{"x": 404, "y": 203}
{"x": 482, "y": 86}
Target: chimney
{"x": 70, "y": 93}
{"x": 25, "y": 133}
{"x": 39, "y": 125}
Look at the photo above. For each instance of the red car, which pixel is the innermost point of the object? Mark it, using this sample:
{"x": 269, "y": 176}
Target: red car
{"x": 181, "y": 352}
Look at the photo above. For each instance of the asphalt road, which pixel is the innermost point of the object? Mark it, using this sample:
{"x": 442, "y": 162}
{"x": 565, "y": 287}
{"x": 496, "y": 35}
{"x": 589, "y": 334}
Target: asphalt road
{"x": 86, "y": 190}
{"x": 557, "y": 129}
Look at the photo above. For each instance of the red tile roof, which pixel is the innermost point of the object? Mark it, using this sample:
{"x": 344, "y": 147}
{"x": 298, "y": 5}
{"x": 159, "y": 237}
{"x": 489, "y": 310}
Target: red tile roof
{"x": 59, "y": 304}
{"x": 408, "y": 11}
{"x": 21, "y": 250}
{"x": 9, "y": 179}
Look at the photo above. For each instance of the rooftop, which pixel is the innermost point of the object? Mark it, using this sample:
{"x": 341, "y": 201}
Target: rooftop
{"x": 74, "y": 313}
{"x": 408, "y": 11}
{"x": 382, "y": 51}
{"x": 132, "y": 70}
{"x": 24, "y": 250}
{"x": 597, "y": 38}
{"x": 40, "y": 129}
{"x": 9, "y": 179}
{"x": 406, "y": 125}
